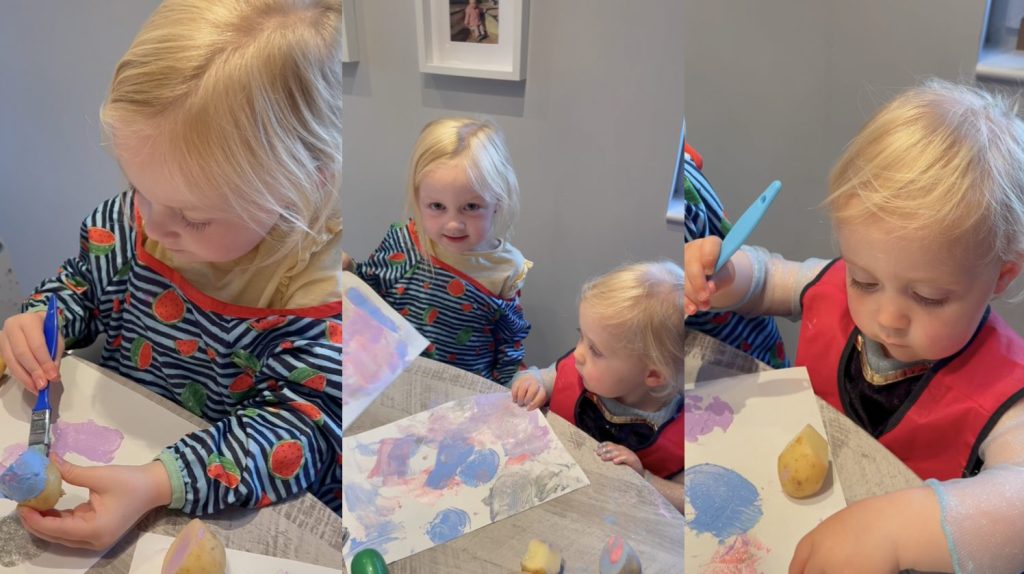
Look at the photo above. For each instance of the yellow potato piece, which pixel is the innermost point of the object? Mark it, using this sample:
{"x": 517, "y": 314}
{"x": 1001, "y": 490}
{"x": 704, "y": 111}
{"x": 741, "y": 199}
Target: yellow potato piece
{"x": 195, "y": 551}
{"x": 803, "y": 464}
{"x": 51, "y": 493}
{"x": 540, "y": 559}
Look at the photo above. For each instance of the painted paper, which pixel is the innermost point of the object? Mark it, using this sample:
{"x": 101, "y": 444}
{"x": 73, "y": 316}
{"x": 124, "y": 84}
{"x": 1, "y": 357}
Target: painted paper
{"x": 738, "y": 519}
{"x": 98, "y": 422}
{"x": 151, "y": 548}
{"x": 379, "y": 345}
{"x": 432, "y": 477}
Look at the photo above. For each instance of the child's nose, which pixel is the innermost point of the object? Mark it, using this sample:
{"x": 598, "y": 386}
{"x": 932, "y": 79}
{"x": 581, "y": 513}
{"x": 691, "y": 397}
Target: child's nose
{"x": 577, "y": 355}
{"x": 891, "y": 317}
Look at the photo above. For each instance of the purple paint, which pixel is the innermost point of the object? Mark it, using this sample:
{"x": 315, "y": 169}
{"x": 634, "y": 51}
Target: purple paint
{"x": 700, "y": 419}
{"x": 451, "y": 454}
{"x": 393, "y": 458}
{"x": 480, "y": 468}
{"x": 88, "y": 439}
{"x": 447, "y": 524}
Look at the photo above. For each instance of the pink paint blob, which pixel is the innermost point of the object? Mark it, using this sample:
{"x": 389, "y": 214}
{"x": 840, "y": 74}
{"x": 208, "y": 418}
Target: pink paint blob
{"x": 740, "y": 555}
{"x": 700, "y": 419}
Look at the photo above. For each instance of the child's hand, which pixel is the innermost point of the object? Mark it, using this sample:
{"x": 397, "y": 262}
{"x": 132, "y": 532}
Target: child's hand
{"x": 118, "y": 497}
{"x": 699, "y": 258}
{"x": 527, "y": 391}
{"x": 346, "y": 262}
{"x": 23, "y": 347}
{"x": 611, "y": 452}
{"x": 852, "y": 541}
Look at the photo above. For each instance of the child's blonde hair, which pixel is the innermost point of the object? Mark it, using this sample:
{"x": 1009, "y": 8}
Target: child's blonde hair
{"x": 643, "y": 304}
{"x": 247, "y": 95}
{"x": 943, "y": 158}
{"x": 477, "y": 145}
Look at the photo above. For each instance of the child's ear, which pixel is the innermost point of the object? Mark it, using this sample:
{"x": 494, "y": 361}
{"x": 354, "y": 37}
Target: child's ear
{"x": 654, "y": 379}
{"x": 1007, "y": 273}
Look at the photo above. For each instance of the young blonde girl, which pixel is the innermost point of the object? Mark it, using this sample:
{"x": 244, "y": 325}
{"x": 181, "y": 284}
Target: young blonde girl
{"x": 622, "y": 383}
{"x": 451, "y": 270}
{"x": 927, "y": 203}
{"x": 215, "y": 277}
{"x": 475, "y": 18}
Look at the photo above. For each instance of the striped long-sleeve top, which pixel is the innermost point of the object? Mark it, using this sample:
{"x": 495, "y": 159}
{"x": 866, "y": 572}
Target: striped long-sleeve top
{"x": 467, "y": 325}
{"x": 705, "y": 217}
{"x": 268, "y": 381}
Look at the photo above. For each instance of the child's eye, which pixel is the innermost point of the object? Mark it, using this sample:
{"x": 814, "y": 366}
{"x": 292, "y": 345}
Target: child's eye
{"x": 928, "y": 301}
{"x": 594, "y": 350}
{"x": 863, "y": 286}
{"x": 196, "y": 226}
{"x": 435, "y": 206}
{"x": 473, "y": 207}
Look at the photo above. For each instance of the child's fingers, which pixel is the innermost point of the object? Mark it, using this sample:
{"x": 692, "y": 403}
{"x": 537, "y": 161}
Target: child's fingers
{"x": 37, "y": 344}
{"x": 710, "y": 249}
{"x": 24, "y": 358}
{"x": 15, "y": 368}
{"x": 538, "y": 399}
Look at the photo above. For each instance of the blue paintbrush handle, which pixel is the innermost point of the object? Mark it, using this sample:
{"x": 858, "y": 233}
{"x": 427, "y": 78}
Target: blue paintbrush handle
{"x": 745, "y": 225}
{"x": 51, "y": 331}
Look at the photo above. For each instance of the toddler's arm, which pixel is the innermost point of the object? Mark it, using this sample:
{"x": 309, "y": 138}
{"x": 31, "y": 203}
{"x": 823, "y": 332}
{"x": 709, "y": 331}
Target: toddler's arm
{"x": 388, "y": 263}
{"x": 277, "y": 444}
{"x": 982, "y": 516}
{"x": 670, "y": 489}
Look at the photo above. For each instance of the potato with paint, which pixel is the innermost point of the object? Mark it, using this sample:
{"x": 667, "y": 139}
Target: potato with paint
{"x": 803, "y": 464}
{"x": 195, "y": 551}
{"x": 32, "y": 480}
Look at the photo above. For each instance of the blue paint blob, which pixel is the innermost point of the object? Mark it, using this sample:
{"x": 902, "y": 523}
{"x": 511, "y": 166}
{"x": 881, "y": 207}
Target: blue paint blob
{"x": 25, "y": 478}
{"x": 447, "y": 524}
{"x": 359, "y": 498}
{"x": 724, "y": 503}
{"x": 378, "y": 537}
{"x": 451, "y": 453}
{"x": 480, "y": 468}
{"x": 356, "y": 297}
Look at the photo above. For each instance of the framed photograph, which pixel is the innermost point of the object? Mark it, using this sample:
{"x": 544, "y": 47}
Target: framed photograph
{"x": 349, "y": 37}
{"x": 477, "y": 38}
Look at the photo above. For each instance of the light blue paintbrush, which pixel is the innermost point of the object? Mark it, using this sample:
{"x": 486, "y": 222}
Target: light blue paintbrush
{"x": 39, "y": 431}
{"x": 745, "y": 225}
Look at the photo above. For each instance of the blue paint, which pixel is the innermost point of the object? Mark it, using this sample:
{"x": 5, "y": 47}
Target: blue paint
{"x": 480, "y": 468}
{"x": 379, "y": 537}
{"x": 447, "y": 524}
{"x": 451, "y": 453}
{"x": 356, "y": 297}
{"x": 359, "y": 498}
{"x": 25, "y": 479}
{"x": 724, "y": 503}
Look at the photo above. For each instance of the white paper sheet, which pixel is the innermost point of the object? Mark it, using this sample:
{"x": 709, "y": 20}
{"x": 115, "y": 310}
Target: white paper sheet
{"x": 379, "y": 345}
{"x": 94, "y": 412}
{"x": 738, "y": 519}
{"x": 151, "y": 548}
{"x": 429, "y": 478}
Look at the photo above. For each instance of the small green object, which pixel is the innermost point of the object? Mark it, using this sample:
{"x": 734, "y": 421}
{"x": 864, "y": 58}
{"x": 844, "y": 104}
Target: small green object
{"x": 368, "y": 561}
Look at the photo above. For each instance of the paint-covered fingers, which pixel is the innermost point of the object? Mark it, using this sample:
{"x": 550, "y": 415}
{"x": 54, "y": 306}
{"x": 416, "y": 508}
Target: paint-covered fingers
{"x": 618, "y": 454}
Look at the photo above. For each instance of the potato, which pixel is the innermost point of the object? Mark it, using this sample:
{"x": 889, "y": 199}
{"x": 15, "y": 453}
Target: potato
{"x": 540, "y": 559}
{"x": 51, "y": 493}
{"x": 803, "y": 464}
{"x": 195, "y": 551}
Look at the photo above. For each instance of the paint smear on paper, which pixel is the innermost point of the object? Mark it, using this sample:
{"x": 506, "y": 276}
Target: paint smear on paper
{"x": 87, "y": 439}
{"x": 448, "y": 524}
{"x": 739, "y": 555}
{"x": 723, "y": 503}
{"x": 700, "y": 419}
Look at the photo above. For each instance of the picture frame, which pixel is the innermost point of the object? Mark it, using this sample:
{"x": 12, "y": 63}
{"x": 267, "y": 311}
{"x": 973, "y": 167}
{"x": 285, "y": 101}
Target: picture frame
{"x": 349, "y": 36}
{"x": 453, "y": 41}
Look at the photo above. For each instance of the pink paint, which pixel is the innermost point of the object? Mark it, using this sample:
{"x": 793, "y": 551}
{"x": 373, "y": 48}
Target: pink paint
{"x": 88, "y": 439}
{"x": 740, "y": 555}
{"x": 11, "y": 453}
{"x": 615, "y": 549}
{"x": 700, "y": 419}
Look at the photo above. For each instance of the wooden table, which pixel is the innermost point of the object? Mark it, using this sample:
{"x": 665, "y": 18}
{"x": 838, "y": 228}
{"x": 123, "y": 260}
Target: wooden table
{"x": 864, "y": 467}
{"x": 301, "y": 529}
{"x": 618, "y": 500}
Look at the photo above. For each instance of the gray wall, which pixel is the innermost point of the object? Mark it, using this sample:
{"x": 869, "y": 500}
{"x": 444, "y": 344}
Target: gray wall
{"x": 775, "y": 90}
{"x": 593, "y": 133}
{"x": 56, "y": 59}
